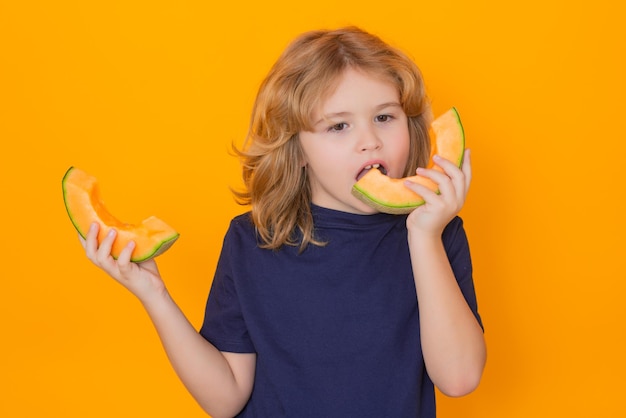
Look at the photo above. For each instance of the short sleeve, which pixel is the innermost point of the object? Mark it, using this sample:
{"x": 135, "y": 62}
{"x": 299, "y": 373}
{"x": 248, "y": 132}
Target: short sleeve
{"x": 224, "y": 325}
{"x": 458, "y": 251}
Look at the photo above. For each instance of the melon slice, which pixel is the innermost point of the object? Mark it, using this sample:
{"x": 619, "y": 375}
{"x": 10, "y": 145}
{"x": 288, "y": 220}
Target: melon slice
{"x": 83, "y": 204}
{"x": 390, "y": 195}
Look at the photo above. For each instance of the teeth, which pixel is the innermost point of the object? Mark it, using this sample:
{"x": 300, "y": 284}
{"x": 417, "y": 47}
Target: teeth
{"x": 369, "y": 167}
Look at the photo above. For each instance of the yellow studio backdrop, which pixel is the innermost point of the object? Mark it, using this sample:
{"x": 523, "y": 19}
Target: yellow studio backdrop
{"x": 149, "y": 95}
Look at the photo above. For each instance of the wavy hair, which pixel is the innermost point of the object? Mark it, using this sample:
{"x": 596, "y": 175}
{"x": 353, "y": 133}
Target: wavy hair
{"x": 307, "y": 72}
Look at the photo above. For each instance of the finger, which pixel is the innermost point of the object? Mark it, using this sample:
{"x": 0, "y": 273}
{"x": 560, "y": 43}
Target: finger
{"x": 123, "y": 260}
{"x": 126, "y": 252}
{"x": 104, "y": 250}
{"x": 444, "y": 162}
{"x": 443, "y": 180}
{"x": 449, "y": 195}
{"x": 451, "y": 169}
{"x": 427, "y": 194}
{"x": 459, "y": 180}
{"x": 466, "y": 168}
{"x": 91, "y": 240}
{"x": 434, "y": 174}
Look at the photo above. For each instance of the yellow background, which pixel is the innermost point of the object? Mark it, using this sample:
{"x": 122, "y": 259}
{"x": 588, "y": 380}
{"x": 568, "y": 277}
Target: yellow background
{"x": 149, "y": 95}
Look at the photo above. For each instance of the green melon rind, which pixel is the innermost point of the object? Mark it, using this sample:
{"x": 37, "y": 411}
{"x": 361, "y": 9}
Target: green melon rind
{"x": 384, "y": 207}
{"x": 67, "y": 208}
{"x": 154, "y": 252}
{"x": 392, "y": 209}
{"x": 457, "y": 117}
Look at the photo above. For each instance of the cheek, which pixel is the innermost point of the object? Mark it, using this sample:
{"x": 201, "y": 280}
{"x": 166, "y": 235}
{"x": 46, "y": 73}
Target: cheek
{"x": 399, "y": 162}
{"x": 403, "y": 148}
{"x": 316, "y": 155}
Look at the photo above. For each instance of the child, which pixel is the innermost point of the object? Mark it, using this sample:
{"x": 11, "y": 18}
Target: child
{"x": 320, "y": 306}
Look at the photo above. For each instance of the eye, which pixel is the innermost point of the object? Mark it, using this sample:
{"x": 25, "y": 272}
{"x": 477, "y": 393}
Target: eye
{"x": 338, "y": 127}
{"x": 384, "y": 118}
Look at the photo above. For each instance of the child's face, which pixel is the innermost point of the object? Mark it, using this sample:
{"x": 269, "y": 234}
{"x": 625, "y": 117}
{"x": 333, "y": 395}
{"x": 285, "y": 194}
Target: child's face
{"x": 360, "y": 124}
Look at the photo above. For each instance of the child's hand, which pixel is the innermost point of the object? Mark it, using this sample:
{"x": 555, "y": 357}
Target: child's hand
{"x": 142, "y": 279}
{"x": 439, "y": 209}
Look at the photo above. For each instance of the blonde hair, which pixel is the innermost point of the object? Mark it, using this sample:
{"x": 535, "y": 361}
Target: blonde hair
{"x": 276, "y": 184}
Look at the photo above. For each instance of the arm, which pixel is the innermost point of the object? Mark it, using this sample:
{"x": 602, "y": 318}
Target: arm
{"x": 452, "y": 339}
{"x": 220, "y": 382}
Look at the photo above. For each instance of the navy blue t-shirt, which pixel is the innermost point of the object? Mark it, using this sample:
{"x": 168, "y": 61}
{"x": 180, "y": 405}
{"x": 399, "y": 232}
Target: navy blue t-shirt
{"x": 335, "y": 328}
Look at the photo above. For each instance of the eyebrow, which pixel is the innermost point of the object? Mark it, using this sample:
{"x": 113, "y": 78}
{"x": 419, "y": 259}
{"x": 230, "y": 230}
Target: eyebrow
{"x": 328, "y": 116}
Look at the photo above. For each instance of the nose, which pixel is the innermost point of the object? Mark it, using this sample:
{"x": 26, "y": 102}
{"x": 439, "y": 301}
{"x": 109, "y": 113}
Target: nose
{"x": 369, "y": 139}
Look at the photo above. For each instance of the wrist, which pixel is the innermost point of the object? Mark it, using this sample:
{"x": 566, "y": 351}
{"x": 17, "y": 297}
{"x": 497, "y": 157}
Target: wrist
{"x": 424, "y": 239}
{"x": 156, "y": 301}
{"x": 420, "y": 233}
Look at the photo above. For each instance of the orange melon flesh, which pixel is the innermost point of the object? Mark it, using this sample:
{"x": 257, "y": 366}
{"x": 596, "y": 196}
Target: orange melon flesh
{"x": 390, "y": 195}
{"x": 83, "y": 204}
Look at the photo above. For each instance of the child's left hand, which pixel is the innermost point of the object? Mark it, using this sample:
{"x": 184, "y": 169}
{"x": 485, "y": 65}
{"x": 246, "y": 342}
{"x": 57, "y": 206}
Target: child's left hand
{"x": 439, "y": 209}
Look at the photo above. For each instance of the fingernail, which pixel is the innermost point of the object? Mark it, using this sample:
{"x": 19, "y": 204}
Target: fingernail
{"x": 111, "y": 233}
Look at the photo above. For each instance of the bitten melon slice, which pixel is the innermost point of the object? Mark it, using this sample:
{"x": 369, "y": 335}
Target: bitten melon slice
{"x": 391, "y": 195}
{"x": 84, "y": 206}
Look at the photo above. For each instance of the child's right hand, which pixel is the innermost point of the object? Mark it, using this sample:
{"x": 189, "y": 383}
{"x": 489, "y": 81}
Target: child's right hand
{"x": 142, "y": 279}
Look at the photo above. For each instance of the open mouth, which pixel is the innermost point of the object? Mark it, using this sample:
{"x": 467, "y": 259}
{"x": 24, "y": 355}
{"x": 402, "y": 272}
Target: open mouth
{"x": 367, "y": 168}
